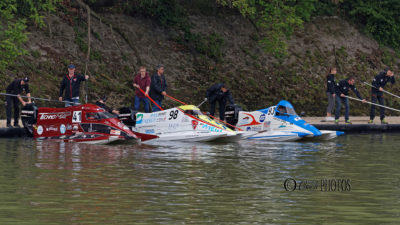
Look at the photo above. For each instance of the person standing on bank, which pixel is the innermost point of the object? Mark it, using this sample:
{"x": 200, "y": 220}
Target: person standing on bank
{"x": 218, "y": 93}
{"x": 378, "y": 84}
{"x": 158, "y": 87}
{"x": 142, "y": 81}
{"x": 16, "y": 88}
{"x": 342, "y": 90}
{"x": 330, "y": 92}
{"x": 71, "y": 84}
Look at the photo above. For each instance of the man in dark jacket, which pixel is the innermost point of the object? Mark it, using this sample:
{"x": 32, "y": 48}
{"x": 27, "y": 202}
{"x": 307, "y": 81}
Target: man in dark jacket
{"x": 378, "y": 84}
{"x": 218, "y": 93}
{"x": 158, "y": 87}
{"x": 16, "y": 88}
{"x": 71, "y": 84}
{"x": 342, "y": 90}
{"x": 102, "y": 103}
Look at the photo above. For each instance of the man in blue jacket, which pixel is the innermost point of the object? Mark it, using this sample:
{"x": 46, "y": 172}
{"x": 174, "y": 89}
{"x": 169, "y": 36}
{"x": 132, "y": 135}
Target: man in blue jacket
{"x": 342, "y": 90}
{"x": 71, "y": 84}
{"x": 158, "y": 87}
{"x": 378, "y": 84}
{"x": 218, "y": 93}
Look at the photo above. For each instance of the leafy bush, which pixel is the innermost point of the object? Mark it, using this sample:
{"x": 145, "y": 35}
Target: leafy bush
{"x": 276, "y": 19}
{"x": 14, "y": 15}
{"x": 380, "y": 18}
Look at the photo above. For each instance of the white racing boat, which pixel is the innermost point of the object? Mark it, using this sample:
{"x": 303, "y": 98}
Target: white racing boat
{"x": 183, "y": 123}
{"x": 277, "y": 123}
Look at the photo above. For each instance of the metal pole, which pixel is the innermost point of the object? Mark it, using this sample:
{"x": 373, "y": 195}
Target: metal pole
{"x": 382, "y": 90}
{"x": 42, "y": 99}
{"x": 371, "y": 103}
{"x": 201, "y": 103}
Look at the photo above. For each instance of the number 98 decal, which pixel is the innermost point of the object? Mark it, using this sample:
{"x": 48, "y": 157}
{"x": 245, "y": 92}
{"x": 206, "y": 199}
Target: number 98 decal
{"x": 173, "y": 115}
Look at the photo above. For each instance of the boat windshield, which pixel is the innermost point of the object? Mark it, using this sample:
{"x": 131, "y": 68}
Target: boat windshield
{"x": 195, "y": 113}
{"x": 99, "y": 115}
{"x": 282, "y": 110}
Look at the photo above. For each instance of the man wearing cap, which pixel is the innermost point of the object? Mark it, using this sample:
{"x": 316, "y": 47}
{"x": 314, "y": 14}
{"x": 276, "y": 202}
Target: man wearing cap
{"x": 71, "y": 84}
{"x": 158, "y": 87}
{"x": 219, "y": 93}
{"x": 142, "y": 81}
{"x": 15, "y": 89}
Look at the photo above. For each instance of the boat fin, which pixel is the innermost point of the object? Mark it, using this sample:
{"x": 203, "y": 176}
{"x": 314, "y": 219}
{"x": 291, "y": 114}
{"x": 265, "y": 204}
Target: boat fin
{"x": 144, "y": 137}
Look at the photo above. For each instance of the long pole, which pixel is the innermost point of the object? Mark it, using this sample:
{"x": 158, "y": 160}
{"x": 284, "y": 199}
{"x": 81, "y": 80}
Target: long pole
{"x": 371, "y": 103}
{"x": 175, "y": 99}
{"x": 382, "y": 90}
{"x": 201, "y": 103}
{"x": 215, "y": 118}
{"x": 150, "y": 98}
{"x": 87, "y": 55}
{"x": 42, "y": 99}
{"x": 207, "y": 115}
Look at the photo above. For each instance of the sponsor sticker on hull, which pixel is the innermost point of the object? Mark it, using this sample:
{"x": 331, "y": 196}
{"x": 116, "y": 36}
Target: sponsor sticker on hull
{"x": 40, "y": 130}
{"x": 194, "y": 124}
{"x": 53, "y": 116}
{"x": 262, "y": 117}
{"x": 115, "y": 132}
{"x": 139, "y": 118}
{"x": 211, "y": 128}
{"x": 77, "y": 117}
{"x": 149, "y": 131}
{"x": 249, "y": 120}
{"x": 52, "y": 128}
{"x": 62, "y": 129}
{"x": 266, "y": 124}
{"x": 173, "y": 126}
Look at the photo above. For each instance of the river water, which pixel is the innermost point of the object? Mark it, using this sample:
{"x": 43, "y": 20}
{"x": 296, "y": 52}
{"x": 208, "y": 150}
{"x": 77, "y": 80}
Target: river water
{"x": 351, "y": 180}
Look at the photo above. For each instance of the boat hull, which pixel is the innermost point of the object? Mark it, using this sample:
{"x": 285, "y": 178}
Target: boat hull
{"x": 187, "y": 137}
{"x": 85, "y": 138}
{"x": 275, "y": 136}
{"x": 325, "y": 136}
{"x": 184, "y": 123}
{"x": 86, "y": 123}
{"x": 279, "y": 118}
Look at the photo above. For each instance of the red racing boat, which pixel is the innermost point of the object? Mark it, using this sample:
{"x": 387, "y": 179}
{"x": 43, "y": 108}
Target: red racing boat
{"x": 86, "y": 123}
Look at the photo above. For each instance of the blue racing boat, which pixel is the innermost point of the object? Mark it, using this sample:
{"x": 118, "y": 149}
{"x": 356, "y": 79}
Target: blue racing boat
{"x": 279, "y": 118}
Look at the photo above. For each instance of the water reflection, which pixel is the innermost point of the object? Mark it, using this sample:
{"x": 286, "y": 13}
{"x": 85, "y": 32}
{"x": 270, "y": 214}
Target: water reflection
{"x": 197, "y": 183}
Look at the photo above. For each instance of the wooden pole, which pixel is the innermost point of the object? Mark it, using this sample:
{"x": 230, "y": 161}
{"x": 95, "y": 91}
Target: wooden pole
{"x": 87, "y": 54}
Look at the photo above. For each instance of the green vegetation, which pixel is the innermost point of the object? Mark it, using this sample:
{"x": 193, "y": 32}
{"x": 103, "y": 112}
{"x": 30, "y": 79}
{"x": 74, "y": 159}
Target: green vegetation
{"x": 173, "y": 14}
{"x": 261, "y": 81}
{"x": 277, "y": 19}
{"x": 14, "y": 18}
{"x": 380, "y": 18}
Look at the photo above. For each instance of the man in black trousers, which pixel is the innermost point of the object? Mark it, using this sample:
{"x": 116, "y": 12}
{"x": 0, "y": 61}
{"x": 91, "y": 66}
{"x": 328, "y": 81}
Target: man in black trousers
{"x": 342, "y": 90}
{"x": 378, "y": 84}
{"x": 158, "y": 87}
{"x": 15, "y": 89}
